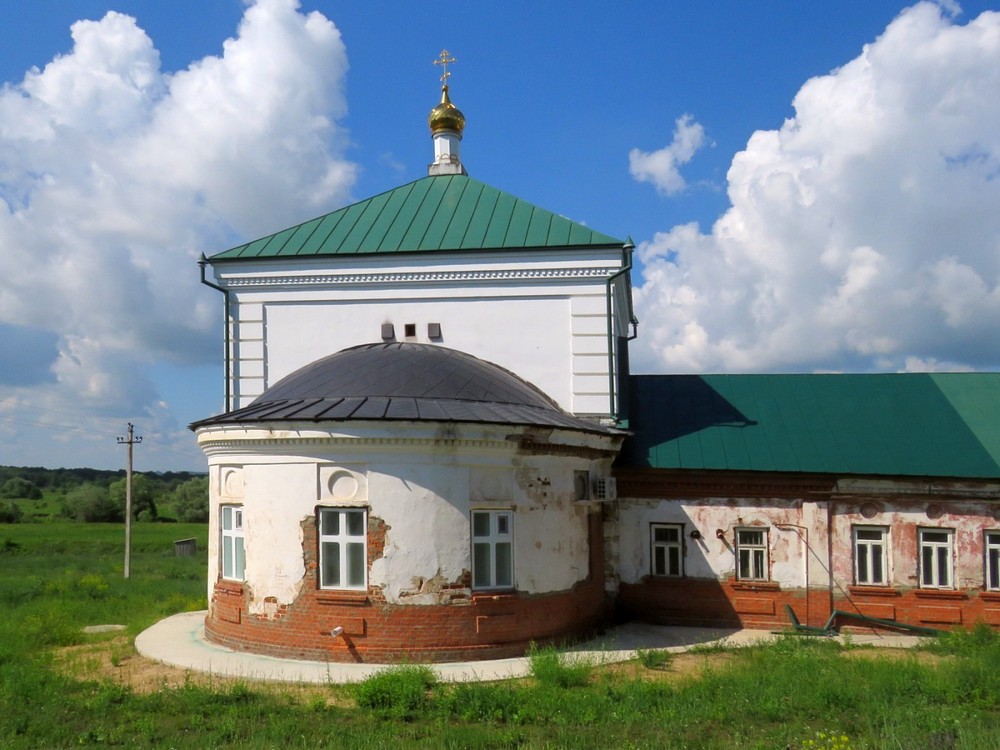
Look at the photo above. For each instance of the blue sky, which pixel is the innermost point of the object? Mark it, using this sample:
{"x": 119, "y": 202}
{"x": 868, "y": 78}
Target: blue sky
{"x": 809, "y": 184}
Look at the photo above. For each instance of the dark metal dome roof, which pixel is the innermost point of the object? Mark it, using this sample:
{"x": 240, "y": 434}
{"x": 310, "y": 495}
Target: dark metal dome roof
{"x": 404, "y": 382}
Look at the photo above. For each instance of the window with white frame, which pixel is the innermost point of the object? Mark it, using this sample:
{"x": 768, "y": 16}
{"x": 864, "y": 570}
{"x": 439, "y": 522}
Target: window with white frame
{"x": 751, "y": 554}
{"x": 231, "y": 529}
{"x": 936, "y": 558}
{"x": 870, "y": 556}
{"x": 492, "y": 549}
{"x": 343, "y": 548}
{"x": 992, "y": 554}
{"x": 667, "y": 550}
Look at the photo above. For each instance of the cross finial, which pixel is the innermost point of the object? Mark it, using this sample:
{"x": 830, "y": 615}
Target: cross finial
{"x": 443, "y": 60}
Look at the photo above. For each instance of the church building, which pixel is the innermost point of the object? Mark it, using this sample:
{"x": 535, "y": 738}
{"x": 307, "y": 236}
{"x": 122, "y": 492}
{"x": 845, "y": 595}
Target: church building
{"x": 433, "y": 449}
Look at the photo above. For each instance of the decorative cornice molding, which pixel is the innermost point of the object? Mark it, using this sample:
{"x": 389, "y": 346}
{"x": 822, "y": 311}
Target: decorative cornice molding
{"x": 229, "y": 444}
{"x": 421, "y": 277}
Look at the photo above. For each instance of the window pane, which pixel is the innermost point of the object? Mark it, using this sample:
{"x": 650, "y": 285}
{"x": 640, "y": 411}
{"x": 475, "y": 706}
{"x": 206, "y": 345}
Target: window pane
{"x": 863, "y": 564}
{"x": 355, "y": 523}
{"x": 675, "y": 561}
{"x": 870, "y": 534}
{"x": 481, "y": 564}
{"x": 503, "y": 524}
{"x": 227, "y": 517}
{"x": 993, "y": 574}
{"x": 927, "y": 566}
{"x": 659, "y": 561}
{"x": 227, "y": 557}
{"x": 744, "y": 563}
{"x": 330, "y": 574}
{"x": 666, "y": 534}
{"x": 944, "y": 573}
{"x": 480, "y": 524}
{"x": 240, "y": 559}
{"x": 934, "y": 536}
{"x": 329, "y": 522}
{"x": 877, "y": 575}
{"x": 355, "y": 564}
{"x": 504, "y": 566}
{"x": 751, "y": 537}
{"x": 758, "y": 564}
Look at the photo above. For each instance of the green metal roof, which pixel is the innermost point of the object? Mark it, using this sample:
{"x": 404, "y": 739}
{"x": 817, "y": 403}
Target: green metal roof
{"x": 928, "y": 425}
{"x": 440, "y": 213}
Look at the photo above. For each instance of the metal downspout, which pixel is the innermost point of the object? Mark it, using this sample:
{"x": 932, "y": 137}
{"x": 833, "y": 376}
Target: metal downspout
{"x": 627, "y": 249}
{"x": 202, "y": 263}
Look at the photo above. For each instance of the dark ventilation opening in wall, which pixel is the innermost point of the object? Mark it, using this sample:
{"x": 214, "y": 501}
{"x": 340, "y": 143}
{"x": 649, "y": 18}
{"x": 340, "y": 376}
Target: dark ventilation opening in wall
{"x": 410, "y": 330}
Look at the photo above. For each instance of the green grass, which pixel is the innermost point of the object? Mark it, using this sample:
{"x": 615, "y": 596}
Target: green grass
{"x": 796, "y": 693}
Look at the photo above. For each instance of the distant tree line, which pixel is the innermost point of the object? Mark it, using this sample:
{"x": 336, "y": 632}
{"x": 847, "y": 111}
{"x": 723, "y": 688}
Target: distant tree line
{"x": 95, "y": 495}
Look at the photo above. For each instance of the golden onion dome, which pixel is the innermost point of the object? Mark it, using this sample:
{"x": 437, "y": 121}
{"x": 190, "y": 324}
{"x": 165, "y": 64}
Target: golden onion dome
{"x": 446, "y": 116}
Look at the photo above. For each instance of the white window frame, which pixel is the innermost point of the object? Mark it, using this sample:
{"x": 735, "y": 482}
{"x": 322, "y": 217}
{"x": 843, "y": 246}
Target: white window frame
{"x": 936, "y": 561}
{"x": 232, "y": 549}
{"x": 752, "y": 557}
{"x": 341, "y": 545}
{"x": 871, "y": 555}
{"x": 991, "y": 558}
{"x": 492, "y": 536}
{"x": 666, "y": 555}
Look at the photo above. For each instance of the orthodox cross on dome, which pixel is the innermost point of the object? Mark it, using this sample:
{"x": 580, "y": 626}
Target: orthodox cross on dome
{"x": 443, "y": 60}
{"x": 446, "y": 122}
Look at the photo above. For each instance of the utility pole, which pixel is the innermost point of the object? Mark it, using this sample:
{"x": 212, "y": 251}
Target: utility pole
{"x": 131, "y": 440}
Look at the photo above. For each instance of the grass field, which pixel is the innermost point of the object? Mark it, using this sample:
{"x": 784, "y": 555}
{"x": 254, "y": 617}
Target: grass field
{"x": 55, "y": 578}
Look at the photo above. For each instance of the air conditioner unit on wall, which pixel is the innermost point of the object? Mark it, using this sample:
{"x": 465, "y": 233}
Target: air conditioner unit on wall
{"x": 605, "y": 488}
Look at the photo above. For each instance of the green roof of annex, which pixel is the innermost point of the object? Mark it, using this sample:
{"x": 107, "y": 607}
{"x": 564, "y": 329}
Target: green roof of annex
{"x": 438, "y": 213}
{"x": 890, "y": 425}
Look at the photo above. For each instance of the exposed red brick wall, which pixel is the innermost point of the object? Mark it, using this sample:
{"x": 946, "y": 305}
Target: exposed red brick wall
{"x": 479, "y": 626}
{"x": 712, "y": 603}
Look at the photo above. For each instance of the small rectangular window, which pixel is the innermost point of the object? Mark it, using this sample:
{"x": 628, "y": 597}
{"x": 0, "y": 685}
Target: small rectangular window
{"x": 231, "y": 542}
{"x": 870, "y": 550}
{"x": 492, "y": 549}
{"x": 936, "y": 558}
{"x": 667, "y": 549}
{"x": 751, "y": 555}
{"x": 992, "y": 554}
{"x": 343, "y": 548}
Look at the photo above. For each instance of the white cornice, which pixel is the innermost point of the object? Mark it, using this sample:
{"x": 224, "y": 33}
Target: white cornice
{"x": 421, "y": 277}
{"x": 260, "y": 441}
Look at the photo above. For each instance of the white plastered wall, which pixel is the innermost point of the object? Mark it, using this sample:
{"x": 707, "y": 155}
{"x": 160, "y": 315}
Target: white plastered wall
{"x": 541, "y": 314}
{"x": 790, "y": 525}
{"x": 420, "y": 484}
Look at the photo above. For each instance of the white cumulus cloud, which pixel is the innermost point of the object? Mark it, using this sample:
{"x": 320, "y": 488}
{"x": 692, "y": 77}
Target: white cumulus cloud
{"x": 662, "y": 167}
{"x": 863, "y": 234}
{"x": 115, "y": 176}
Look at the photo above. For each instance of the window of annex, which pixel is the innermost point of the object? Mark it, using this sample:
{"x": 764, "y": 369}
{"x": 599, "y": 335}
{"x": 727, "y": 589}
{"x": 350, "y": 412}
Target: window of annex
{"x": 991, "y": 552}
{"x": 871, "y": 565}
{"x": 343, "y": 548}
{"x": 936, "y": 556}
{"x": 666, "y": 549}
{"x": 231, "y": 542}
{"x": 492, "y": 549}
{"x": 752, "y": 555}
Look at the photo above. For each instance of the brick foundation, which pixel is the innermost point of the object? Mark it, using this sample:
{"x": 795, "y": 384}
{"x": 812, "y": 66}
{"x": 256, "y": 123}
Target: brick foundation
{"x": 729, "y": 603}
{"x": 482, "y": 627}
